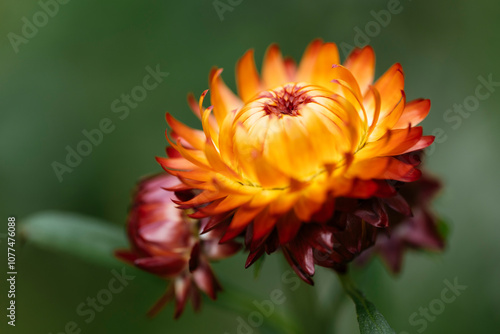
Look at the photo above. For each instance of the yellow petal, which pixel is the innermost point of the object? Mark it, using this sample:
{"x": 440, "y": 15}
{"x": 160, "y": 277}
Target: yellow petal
{"x": 222, "y": 98}
{"x": 247, "y": 77}
{"x": 273, "y": 69}
{"x": 361, "y": 63}
{"x": 308, "y": 61}
{"x": 327, "y": 57}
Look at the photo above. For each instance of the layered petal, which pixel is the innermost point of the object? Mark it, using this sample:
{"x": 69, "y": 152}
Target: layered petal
{"x": 294, "y": 143}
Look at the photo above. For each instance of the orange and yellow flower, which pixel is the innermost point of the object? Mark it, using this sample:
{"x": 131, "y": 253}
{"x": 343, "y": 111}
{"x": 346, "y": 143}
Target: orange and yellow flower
{"x": 295, "y": 139}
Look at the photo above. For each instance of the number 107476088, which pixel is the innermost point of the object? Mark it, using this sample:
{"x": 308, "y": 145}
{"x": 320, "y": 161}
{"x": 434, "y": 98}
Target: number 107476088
{"x": 11, "y": 243}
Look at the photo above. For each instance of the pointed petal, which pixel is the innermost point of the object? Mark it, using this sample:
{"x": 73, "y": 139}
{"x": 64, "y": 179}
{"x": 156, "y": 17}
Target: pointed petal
{"x": 206, "y": 281}
{"x": 288, "y": 226}
{"x": 165, "y": 265}
{"x": 308, "y": 61}
{"x": 361, "y": 63}
{"x": 263, "y": 224}
{"x": 399, "y": 171}
{"x": 195, "y": 138}
{"x": 373, "y": 212}
{"x": 273, "y": 69}
{"x": 221, "y": 97}
{"x": 327, "y": 57}
{"x": 398, "y": 204}
{"x": 243, "y": 216}
{"x": 193, "y": 105}
{"x": 247, "y": 77}
{"x": 424, "y": 142}
{"x": 415, "y": 111}
{"x": 390, "y": 85}
{"x": 182, "y": 290}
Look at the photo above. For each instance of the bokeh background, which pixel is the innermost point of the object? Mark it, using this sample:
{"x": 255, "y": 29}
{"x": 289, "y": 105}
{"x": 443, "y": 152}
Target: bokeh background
{"x": 64, "y": 79}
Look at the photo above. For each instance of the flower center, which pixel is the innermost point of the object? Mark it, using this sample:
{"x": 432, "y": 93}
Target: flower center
{"x": 285, "y": 100}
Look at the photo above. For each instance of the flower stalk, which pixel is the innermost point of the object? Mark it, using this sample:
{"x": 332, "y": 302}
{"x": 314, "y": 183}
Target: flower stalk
{"x": 370, "y": 320}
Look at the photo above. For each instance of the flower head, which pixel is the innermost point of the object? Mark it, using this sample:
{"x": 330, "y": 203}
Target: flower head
{"x": 278, "y": 156}
{"x": 166, "y": 242}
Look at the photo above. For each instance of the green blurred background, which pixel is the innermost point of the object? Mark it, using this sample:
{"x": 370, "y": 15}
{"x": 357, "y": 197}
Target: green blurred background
{"x": 64, "y": 79}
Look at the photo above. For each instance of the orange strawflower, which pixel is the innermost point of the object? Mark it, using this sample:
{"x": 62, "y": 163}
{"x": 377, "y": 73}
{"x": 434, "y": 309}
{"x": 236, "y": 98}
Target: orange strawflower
{"x": 295, "y": 139}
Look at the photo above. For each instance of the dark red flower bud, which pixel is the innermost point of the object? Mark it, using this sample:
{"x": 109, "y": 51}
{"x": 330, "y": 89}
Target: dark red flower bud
{"x": 167, "y": 243}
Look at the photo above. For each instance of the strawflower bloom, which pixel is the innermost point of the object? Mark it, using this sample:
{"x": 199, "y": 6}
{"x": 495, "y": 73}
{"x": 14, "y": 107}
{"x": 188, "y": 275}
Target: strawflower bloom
{"x": 166, "y": 243}
{"x": 305, "y": 158}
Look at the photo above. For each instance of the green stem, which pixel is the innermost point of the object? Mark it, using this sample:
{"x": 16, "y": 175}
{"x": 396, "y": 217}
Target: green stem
{"x": 349, "y": 287}
{"x": 370, "y": 320}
